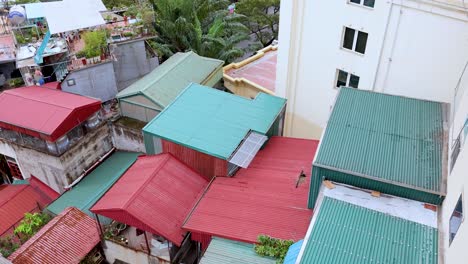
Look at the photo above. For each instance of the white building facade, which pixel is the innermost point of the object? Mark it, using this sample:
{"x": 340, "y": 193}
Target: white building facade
{"x": 414, "y": 48}
{"x": 454, "y": 222}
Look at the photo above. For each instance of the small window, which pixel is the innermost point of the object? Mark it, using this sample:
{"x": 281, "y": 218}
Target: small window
{"x": 14, "y": 168}
{"x": 456, "y": 219}
{"x": 346, "y": 79}
{"x": 368, "y": 3}
{"x": 356, "y": 42}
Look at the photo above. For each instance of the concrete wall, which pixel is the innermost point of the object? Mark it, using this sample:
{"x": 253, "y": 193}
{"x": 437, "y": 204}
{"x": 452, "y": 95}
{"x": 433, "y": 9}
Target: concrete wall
{"x": 58, "y": 172}
{"x": 131, "y": 62}
{"x": 457, "y": 182}
{"x": 415, "y": 48}
{"x": 126, "y": 138}
{"x": 96, "y": 81}
{"x": 114, "y": 251}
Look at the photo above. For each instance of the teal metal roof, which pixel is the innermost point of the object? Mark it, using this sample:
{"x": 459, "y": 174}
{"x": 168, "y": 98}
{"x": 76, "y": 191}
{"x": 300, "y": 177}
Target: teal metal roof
{"x": 214, "y": 122}
{"x": 164, "y": 83}
{"x": 387, "y": 138}
{"x": 86, "y": 193}
{"x": 223, "y": 251}
{"x": 347, "y": 233}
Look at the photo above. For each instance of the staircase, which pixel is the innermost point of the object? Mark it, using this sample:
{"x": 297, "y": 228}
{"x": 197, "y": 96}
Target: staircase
{"x": 61, "y": 71}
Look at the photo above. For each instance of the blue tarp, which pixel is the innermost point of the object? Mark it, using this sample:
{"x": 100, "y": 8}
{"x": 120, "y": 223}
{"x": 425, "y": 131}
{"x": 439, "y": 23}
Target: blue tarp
{"x": 293, "y": 252}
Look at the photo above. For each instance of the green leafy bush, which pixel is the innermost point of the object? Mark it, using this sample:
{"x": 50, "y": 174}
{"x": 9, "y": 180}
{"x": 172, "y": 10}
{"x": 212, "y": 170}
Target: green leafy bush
{"x": 16, "y": 82}
{"x": 95, "y": 42}
{"x": 7, "y": 246}
{"x": 272, "y": 247}
{"x": 31, "y": 224}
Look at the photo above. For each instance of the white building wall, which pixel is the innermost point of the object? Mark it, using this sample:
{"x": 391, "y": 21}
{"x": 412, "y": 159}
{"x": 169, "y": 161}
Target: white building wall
{"x": 413, "y": 50}
{"x": 457, "y": 182}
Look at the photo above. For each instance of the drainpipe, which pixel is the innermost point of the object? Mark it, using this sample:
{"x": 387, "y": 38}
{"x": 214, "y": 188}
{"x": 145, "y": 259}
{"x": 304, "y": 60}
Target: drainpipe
{"x": 86, "y": 172}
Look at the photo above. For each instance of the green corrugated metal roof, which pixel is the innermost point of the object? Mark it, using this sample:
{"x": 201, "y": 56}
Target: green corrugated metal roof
{"x": 212, "y": 121}
{"x": 387, "y": 138}
{"x": 347, "y": 233}
{"x": 223, "y": 251}
{"x": 164, "y": 83}
{"x": 86, "y": 193}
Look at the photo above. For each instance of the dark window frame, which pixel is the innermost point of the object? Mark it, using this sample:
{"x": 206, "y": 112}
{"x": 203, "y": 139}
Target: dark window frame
{"x": 458, "y": 211}
{"x": 349, "y": 77}
{"x": 359, "y": 40}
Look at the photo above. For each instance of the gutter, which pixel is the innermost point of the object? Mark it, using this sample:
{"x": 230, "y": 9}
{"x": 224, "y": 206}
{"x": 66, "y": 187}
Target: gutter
{"x": 86, "y": 172}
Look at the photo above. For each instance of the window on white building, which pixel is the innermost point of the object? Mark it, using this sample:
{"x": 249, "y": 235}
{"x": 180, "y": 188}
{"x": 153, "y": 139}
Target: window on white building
{"x": 355, "y": 40}
{"x": 456, "y": 219}
{"x": 346, "y": 79}
{"x": 368, "y": 3}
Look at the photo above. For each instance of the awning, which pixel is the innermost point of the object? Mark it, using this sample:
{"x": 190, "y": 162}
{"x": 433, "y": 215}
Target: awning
{"x": 69, "y": 15}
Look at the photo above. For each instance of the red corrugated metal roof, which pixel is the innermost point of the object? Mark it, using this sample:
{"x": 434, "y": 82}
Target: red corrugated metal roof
{"x": 43, "y": 188}
{"x": 67, "y": 238}
{"x": 262, "y": 199}
{"x": 154, "y": 195}
{"x": 15, "y": 201}
{"x": 43, "y": 112}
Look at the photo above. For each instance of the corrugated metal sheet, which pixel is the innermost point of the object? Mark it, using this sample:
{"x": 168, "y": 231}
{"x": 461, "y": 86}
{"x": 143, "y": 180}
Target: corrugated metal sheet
{"x": 15, "y": 201}
{"x": 154, "y": 195}
{"x": 263, "y": 199}
{"x": 293, "y": 252}
{"x": 214, "y": 122}
{"x": 222, "y": 251}
{"x": 93, "y": 186}
{"x": 346, "y": 233}
{"x": 385, "y": 138}
{"x": 44, "y": 113}
{"x": 164, "y": 83}
{"x": 318, "y": 174}
{"x": 67, "y": 238}
{"x": 206, "y": 165}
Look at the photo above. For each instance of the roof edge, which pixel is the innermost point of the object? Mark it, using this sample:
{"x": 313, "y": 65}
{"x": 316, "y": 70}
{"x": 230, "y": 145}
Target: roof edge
{"x": 315, "y": 164}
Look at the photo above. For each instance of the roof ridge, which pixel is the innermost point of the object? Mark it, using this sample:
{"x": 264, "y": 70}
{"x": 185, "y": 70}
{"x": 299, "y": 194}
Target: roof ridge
{"x": 48, "y": 225}
{"x": 36, "y": 100}
{"x": 143, "y": 185}
{"x": 17, "y": 192}
{"x": 184, "y": 56}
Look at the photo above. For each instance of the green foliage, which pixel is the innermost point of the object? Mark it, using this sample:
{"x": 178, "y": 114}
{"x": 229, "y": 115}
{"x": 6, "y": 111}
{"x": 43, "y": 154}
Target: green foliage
{"x": 262, "y": 18}
{"x": 30, "y": 224}
{"x": 272, "y": 247}
{"x": 203, "y": 26}
{"x": 16, "y": 82}
{"x": 118, "y": 3}
{"x": 95, "y": 43}
{"x": 7, "y": 246}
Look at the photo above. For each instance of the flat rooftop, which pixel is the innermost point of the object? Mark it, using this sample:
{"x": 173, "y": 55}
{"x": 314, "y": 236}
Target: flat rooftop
{"x": 267, "y": 198}
{"x": 259, "y": 69}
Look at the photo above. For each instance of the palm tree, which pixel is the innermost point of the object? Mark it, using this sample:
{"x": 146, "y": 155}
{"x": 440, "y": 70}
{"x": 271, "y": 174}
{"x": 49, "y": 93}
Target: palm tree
{"x": 203, "y": 26}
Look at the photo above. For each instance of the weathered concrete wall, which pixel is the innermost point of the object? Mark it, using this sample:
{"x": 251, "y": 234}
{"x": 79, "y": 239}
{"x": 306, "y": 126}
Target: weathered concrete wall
{"x": 86, "y": 152}
{"x": 96, "y": 81}
{"x": 131, "y": 62}
{"x": 58, "y": 172}
{"x": 114, "y": 251}
{"x": 126, "y": 138}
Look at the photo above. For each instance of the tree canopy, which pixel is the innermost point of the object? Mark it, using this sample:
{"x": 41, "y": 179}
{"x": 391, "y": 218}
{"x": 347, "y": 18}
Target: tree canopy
{"x": 203, "y": 26}
{"x": 262, "y": 18}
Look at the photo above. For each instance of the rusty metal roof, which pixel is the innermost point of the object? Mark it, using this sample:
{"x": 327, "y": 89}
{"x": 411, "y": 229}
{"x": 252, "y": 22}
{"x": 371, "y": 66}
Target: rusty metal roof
{"x": 67, "y": 238}
{"x": 15, "y": 201}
